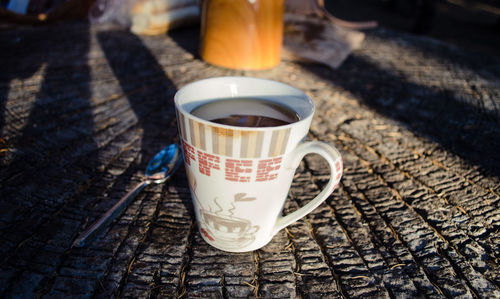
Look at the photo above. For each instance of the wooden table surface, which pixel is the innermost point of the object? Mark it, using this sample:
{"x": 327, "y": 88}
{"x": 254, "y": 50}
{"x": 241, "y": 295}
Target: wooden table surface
{"x": 83, "y": 109}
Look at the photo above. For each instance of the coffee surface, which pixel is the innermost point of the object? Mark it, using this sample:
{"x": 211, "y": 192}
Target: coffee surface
{"x": 246, "y": 112}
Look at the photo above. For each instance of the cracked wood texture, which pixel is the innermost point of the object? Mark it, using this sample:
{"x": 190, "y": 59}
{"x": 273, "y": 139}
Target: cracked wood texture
{"x": 83, "y": 109}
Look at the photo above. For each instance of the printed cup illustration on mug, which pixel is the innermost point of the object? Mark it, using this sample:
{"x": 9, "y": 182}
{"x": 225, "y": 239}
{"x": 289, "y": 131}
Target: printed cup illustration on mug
{"x": 243, "y": 139}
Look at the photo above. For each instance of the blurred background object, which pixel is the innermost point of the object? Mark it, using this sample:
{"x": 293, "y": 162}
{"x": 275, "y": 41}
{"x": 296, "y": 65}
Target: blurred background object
{"x": 471, "y": 24}
{"x": 148, "y": 17}
{"x": 242, "y": 34}
{"x": 18, "y": 6}
{"x": 159, "y": 16}
{"x": 314, "y": 35}
{"x": 38, "y": 11}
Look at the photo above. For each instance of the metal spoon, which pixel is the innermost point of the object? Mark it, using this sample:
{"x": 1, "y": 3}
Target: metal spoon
{"x": 160, "y": 169}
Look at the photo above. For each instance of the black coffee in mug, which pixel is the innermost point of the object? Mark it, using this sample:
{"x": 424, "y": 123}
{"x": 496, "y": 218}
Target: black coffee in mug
{"x": 246, "y": 112}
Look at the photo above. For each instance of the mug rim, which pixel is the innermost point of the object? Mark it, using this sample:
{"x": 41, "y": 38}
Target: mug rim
{"x": 297, "y": 91}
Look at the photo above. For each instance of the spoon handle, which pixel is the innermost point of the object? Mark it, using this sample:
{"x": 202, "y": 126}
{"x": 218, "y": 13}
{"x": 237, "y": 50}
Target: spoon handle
{"x": 109, "y": 216}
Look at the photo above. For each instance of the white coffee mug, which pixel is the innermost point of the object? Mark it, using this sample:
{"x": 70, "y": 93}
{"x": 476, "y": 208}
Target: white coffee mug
{"x": 240, "y": 177}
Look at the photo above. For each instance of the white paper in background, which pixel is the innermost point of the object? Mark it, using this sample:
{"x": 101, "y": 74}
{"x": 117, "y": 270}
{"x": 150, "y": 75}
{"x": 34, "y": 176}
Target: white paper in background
{"x": 312, "y": 38}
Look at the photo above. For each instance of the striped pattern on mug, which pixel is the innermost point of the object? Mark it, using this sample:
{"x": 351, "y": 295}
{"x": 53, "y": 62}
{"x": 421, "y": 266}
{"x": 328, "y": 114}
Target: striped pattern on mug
{"x": 234, "y": 143}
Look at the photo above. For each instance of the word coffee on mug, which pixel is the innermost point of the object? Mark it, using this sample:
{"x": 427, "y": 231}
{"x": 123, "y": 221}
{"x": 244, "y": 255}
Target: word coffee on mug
{"x": 243, "y": 139}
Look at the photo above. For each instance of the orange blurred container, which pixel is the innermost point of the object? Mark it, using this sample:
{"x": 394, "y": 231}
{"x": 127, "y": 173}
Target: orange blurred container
{"x": 242, "y": 34}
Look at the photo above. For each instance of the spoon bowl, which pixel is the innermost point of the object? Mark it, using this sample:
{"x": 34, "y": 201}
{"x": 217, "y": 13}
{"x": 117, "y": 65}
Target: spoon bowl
{"x": 164, "y": 163}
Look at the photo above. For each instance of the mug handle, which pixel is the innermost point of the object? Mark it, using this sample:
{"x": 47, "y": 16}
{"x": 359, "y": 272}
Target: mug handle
{"x": 334, "y": 159}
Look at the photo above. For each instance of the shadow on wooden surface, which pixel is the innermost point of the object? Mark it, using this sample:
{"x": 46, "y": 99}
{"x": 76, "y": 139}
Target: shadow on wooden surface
{"x": 73, "y": 139}
{"x": 409, "y": 219}
{"x": 60, "y": 126}
{"x": 460, "y": 110}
